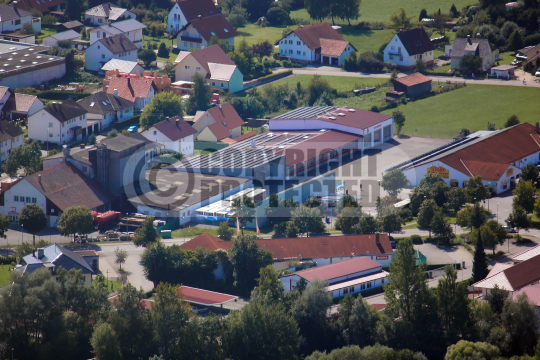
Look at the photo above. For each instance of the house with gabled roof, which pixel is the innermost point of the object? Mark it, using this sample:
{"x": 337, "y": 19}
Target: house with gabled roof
{"x": 218, "y": 123}
{"x": 196, "y": 34}
{"x": 131, "y": 28}
{"x": 106, "y": 13}
{"x": 11, "y": 137}
{"x": 407, "y": 46}
{"x": 135, "y": 89}
{"x": 113, "y": 47}
{"x": 106, "y": 109}
{"x": 213, "y": 64}
{"x": 53, "y": 39}
{"x": 22, "y": 106}
{"x": 475, "y": 47}
{"x": 52, "y": 257}
{"x": 12, "y": 18}
{"x": 42, "y": 6}
{"x": 123, "y": 66}
{"x": 174, "y": 133}
{"x": 185, "y": 11}
{"x": 497, "y": 157}
{"x": 319, "y": 43}
{"x": 54, "y": 190}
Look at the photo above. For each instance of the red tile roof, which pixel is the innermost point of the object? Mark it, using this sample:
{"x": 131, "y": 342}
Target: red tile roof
{"x": 203, "y": 297}
{"x": 192, "y": 9}
{"x": 130, "y": 89}
{"x": 175, "y": 128}
{"x": 211, "y": 54}
{"x": 240, "y": 138}
{"x": 532, "y": 292}
{"x": 524, "y": 273}
{"x": 334, "y": 47}
{"x": 215, "y": 25}
{"x": 493, "y": 154}
{"x": 339, "y": 269}
{"x": 414, "y": 79}
{"x": 311, "y": 35}
{"x": 65, "y": 186}
{"x": 307, "y": 248}
{"x": 226, "y": 119}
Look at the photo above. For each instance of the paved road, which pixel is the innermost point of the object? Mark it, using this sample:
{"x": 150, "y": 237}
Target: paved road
{"x": 332, "y": 71}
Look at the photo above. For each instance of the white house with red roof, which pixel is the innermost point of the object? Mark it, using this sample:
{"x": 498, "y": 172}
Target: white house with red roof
{"x": 314, "y": 44}
{"x": 135, "y": 89}
{"x": 174, "y": 133}
{"x": 185, "y": 11}
{"x": 196, "y": 34}
{"x": 345, "y": 277}
{"x": 218, "y": 123}
{"x": 407, "y": 46}
{"x": 497, "y": 157}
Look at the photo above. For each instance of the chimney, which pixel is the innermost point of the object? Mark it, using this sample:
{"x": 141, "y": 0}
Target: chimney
{"x": 115, "y": 93}
{"x": 538, "y": 128}
{"x": 15, "y": 6}
{"x": 41, "y": 253}
{"x": 377, "y": 238}
{"x": 39, "y": 179}
{"x": 81, "y": 146}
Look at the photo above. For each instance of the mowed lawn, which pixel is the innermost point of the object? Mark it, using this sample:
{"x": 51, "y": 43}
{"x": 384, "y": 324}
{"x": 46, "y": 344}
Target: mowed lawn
{"x": 471, "y": 107}
{"x": 340, "y": 83}
{"x": 380, "y": 10}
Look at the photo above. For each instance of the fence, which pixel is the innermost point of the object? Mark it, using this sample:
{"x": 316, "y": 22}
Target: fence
{"x": 171, "y": 225}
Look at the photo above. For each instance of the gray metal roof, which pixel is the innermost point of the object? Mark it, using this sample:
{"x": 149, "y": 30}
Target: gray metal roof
{"x": 58, "y": 256}
{"x": 305, "y": 112}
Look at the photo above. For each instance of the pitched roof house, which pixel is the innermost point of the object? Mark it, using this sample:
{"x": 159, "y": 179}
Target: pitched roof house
{"x": 105, "y": 109}
{"x": 131, "y": 28}
{"x": 53, "y": 39}
{"x": 11, "y": 137}
{"x": 58, "y": 123}
{"x": 185, "y": 11}
{"x": 70, "y": 25}
{"x": 472, "y": 46}
{"x": 113, "y": 47}
{"x": 407, "y": 46}
{"x": 52, "y": 257}
{"x": 174, "y": 133}
{"x": 43, "y": 7}
{"x": 198, "y": 32}
{"x": 413, "y": 85}
{"x": 138, "y": 90}
{"x": 213, "y": 64}
{"x": 54, "y": 190}
{"x": 106, "y": 13}
{"x": 123, "y": 66}
{"x": 315, "y": 43}
{"x": 12, "y": 18}
{"x": 218, "y": 123}
{"x": 21, "y": 106}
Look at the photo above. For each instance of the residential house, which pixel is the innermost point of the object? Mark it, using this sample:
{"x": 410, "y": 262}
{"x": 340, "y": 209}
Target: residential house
{"x": 407, "y": 46}
{"x": 58, "y": 123}
{"x": 137, "y": 90}
{"x": 114, "y": 47}
{"x": 346, "y": 277}
{"x": 42, "y": 6}
{"x": 53, "y": 39}
{"x": 91, "y": 257}
{"x": 472, "y": 46}
{"x": 151, "y": 148}
{"x": 12, "y": 18}
{"x": 106, "y": 13}
{"x": 70, "y": 25}
{"x": 107, "y": 162}
{"x": 413, "y": 85}
{"x": 54, "y": 256}
{"x": 5, "y": 94}
{"x": 511, "y": 278}
{"x": 106, "y": 109}
{"x": 11, "y": 137}
{"x": 131, "y": 28}
{"x": 319, "y": 250}
{"x": 187, "y": 10}
{"x": 54, "y": 190}
{"x": 213, "y": 64}
{"x": 21, "y": 106}
{"x": 243, "y": 137}
{"x": 197, "y": 33}
{"x": 29, "y": 65}
{"x": 218, "y": 123}
{"x": 174, "y": 133}
{"x": 123, "y": 66}
{"x": 529, "y": 56}
{"x": 319, "y": 43}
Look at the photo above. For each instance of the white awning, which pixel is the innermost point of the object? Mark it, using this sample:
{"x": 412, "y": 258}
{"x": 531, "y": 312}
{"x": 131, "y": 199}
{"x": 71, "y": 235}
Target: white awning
{"x": 380, "y": 275}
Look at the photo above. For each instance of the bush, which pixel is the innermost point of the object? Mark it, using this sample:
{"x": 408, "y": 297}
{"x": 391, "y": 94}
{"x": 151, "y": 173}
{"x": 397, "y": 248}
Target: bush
{"x": 416, "y": 239}
{"x": 163, "y": 51}
{"x": 368, "y": 62}
{"x": 351, "y": 62}
{"x": 278, "y": 16}
{"x": 375, "y": 108}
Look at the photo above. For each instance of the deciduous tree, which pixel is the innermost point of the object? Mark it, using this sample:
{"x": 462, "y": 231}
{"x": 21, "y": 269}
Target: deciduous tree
{"x": 120, "y": 256}
{"x": 33, "y": 220}
{"x": 525, "y": 195}
{"x": 457, "y": 197}
{"x": 399, "y": 20}
{"x": 76, "y": 220}
{"x": 147, "y": 233}
{"x": 317, "y": 9}
{"x": 247, "y": 259}
{"x": 518, "y": 218}
{"x": 243, "y": 209}
{"x": 393, "y": 181}
{"x": 224, "y": 231}
{"x": 164, "y": 104}
{"x": 466, "y": 350}
{"x": 399, "y": 120}
{"x": 105, "y": 343}
{"x": 426, "y": 213}
{"x": 347, "y": 219}
{"x": 511, "y": 121}
{"x": 147, "y": 56}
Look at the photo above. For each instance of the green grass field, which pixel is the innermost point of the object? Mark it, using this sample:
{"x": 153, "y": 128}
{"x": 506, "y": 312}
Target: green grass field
{"x": 255, "y": 34}
{"x": 159, "y": 40}
{"x": 340, "y": 83}
{"x": 380, "y": 10}
{"x": 5, "y": 277}
{"x": 195, "y": 231}
{"x": 471, "y": 107}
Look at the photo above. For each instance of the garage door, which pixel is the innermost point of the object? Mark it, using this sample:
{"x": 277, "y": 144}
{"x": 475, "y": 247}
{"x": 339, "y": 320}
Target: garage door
{"x": 377, "y": 137}
{"x": 326, "y": 60}
{"x": 387, "y": 130}
{"x": 335, "y": 60}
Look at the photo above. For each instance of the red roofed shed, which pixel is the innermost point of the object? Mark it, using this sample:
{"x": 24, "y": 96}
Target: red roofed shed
{"x": 203, "y": 297}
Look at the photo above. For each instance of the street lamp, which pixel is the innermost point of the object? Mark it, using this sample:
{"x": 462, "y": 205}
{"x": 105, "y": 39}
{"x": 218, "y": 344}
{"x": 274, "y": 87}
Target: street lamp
{"x": 108, "y": 279}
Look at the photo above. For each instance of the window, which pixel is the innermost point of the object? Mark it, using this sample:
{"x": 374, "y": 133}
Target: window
{"x": 100, "y": 21}
{"x": 392, "y": 47}
{"x": 304, "y": 53}
{"x": 298, "y": 52}
{"x": 50, "y": 125}
{"x": 84, "y": 168}
{"x": 18, "y": 22}
{"x": 368, "y": 285}
{"x": 99, "y": 47}
{"x": 345, "y": 291}
{"x": 198, "y": 68}
{"x": 186, "y": 67}
{"x": 298, "y": 43}
{"x": 213, "y": 83}
{"x": 221, "y": 84}
{"x": 34, "y": 200}
{"x": 351, "y": 289}
{"x": 15, "y": 198}
{"x": 103, "y": 56}
{"x": 50, "y": 135}
{"x": 290, "y": 42}
{"x": 290, "y": 51}
{"x": 28, "y": 199}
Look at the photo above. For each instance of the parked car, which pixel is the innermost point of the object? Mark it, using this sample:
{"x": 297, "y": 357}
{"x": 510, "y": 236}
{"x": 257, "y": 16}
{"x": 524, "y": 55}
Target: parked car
{"x": 393, "y": 244}
{"x": 198, "y": 309}
{"x": 444, "y": 57}
{"x": 132, "y": 129}
{"x": 537, "y": 73}
{"x": 510, "y": 229}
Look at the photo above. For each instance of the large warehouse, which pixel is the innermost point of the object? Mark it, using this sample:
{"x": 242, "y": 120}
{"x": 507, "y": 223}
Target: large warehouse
{"x": 299, "y": 145}
{"x": 497, "y": 157}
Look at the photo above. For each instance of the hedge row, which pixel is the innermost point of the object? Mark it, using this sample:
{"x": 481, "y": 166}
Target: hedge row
{"x": 7, "y": 260}
{"x": 127, "y": 123}
{"x": 60, "y": 95}
{"x": 276, "y": 75}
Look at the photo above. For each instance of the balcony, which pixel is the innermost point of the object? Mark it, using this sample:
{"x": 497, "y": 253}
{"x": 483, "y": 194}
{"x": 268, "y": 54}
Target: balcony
{"x": 190, "y": 39}
{"x": 395, "y": 53}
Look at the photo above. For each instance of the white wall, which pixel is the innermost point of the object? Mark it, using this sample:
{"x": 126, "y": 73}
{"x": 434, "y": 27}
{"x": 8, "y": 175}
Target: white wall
{"x": 15, "y": 24}
{"x": 408, "y": 60}
{"x": 382, "y": 259}
{"x": 140, "y": 103}
{"x": 34, "y": 78}
{"x": 193, "y": 33}
{"x": 99, "y": 33}
{"x": 8, "y": 145}
{"x": 59, "y": 133}
{"x": 174, "y": 25}
{"x": 297, "y": 50}
{"x": 97, "y": 55}
{"x": 24, "y": 189}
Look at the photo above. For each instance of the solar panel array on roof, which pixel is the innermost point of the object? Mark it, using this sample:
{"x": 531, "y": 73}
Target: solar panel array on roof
{"x": 306, "y": 112}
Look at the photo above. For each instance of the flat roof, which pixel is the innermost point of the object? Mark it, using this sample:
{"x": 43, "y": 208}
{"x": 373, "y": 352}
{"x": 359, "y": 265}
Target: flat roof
{"x": 9, "y": 46}
{"x": 26, "y": 59}
{"x": 380, "y": 275}
{"x": 175, "y": 190}
{"x": 203, "y": 297}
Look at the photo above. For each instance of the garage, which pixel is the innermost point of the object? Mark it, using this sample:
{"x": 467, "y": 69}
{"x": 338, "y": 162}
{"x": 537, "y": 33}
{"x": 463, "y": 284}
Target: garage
{"x": 326, "y": 60}
{"x": 335, "y": 61}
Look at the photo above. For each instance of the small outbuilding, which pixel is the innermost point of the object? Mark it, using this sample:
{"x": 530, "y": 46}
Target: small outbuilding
{"x": 413, "y": 85}
{"x": 503, "y": 71}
